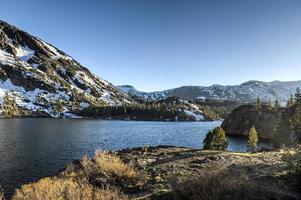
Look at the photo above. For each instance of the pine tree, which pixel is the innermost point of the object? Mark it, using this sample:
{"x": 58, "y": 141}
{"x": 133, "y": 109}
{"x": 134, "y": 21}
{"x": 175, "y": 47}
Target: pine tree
{"x": 58, "y": 106}
{"x": 298, "y": 95}
{"x": 216, "y": 139}
{"x": 258, "y": 103}
{"x": 297, "y": 122}
{"x": 290, "y": 101}
{"x": 283, "y": 131}
{"x": 297, "y": 115}
{"x": 276, "y": 105}
{"x": 9, "y": 107}
{"x": 270, "y": 103}
{"x": 253, "y": 139}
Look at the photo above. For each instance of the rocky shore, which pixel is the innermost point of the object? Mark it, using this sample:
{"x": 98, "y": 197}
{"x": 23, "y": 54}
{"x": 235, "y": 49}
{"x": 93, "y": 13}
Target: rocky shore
{"x": 166, "y": 172}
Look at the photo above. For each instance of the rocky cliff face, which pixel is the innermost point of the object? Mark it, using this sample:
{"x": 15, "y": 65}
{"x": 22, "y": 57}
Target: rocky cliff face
{"x": 42, "y": 79}
{"x": 240, "y": 121}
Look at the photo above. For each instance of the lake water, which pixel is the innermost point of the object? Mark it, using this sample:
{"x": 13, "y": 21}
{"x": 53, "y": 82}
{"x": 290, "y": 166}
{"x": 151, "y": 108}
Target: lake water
{"x": 34, "y": 148}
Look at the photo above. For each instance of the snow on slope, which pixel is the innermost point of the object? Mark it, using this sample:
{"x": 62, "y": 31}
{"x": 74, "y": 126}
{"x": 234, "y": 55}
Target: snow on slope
{"x": 143, "y": 95}
{"x": 196, "y": 116}
{"x": 246, "y": 92}
{"x": 38, "y": 77}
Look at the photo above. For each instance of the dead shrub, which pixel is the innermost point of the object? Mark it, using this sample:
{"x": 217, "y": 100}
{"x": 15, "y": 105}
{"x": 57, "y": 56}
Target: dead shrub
{"x": 65, "y": 189}
{"x": 1, "y": 195}
{"x": 112, "y": 165}
{"x": 105, "y": 169}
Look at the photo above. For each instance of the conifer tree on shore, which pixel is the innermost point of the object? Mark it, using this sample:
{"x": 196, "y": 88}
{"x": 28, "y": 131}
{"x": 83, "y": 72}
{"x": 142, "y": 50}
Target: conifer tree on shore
{"x": 276, "y": 105}
{"x": 216, "y": 140}
{"x": 258, "y": 103}
{"x": 297, "y": 116}
{"x": 283, "y": 131}
{"x": 253, "y": 139}
{"x": 10, "y": 107}
{"x": 290, "y": 101}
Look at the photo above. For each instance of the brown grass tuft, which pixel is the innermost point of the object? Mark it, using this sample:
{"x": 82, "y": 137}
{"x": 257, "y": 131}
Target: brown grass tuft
{"x": 113, "y": 166}
{"x": 88, "y": 179}
{"x": 107, "y": 168}
{"x": 65, "y": 189}
{"x": 2, "y": 195}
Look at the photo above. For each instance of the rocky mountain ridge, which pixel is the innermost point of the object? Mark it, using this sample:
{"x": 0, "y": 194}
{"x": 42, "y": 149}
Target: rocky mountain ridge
{"x": 42, "y": 79}
{"x": 244, "y": 93}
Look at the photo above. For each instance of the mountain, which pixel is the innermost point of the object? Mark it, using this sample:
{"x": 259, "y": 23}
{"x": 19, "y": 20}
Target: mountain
{"x": 245, "y": 93}
{"x": 40, "y": 79}
{"x": 132, "y": 91}
{"x": 169, "y": 109}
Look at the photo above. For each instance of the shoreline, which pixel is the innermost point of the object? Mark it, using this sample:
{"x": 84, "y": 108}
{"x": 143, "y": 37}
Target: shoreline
{"x": 100, "y": 118}
{"x": 161, "y": 164}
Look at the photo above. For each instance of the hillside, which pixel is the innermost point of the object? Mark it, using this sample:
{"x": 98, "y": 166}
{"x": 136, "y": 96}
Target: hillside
{"x": 244, "y": 93}
{"x": 169, "y": 109}
{"x": 36, "y": 78}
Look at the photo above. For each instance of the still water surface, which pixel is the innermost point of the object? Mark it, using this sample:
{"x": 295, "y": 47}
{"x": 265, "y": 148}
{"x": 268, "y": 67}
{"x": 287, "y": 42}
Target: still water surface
{"x": 34, "y": 148}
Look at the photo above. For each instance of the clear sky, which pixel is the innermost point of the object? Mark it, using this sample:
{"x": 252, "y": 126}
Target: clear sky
{"x": 156, "y": 45}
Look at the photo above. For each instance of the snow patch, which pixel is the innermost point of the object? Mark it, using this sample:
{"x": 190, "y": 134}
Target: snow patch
{"x": 24, "y": 53}
{"x": 84, "y": 105}
{"x": 55, "y": 53}
{"x": 6, "y": 58}
{"x": 198, "y": 117}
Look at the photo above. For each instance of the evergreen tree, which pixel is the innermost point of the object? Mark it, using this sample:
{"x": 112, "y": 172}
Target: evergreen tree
{"x": 276, "y": 105}
{"x": 9, "y": 107}
{"x": 258, "y": 103}
{"x": 216, "y": 139}
{"x": 253, "y": 139}
{"x": 297, "y": 122}
{"x": 58, "y": 106}
{"x": 270, "y": 103}
{"x": 298, "y": 95}
{"x": 297, "y": 116}
{"x": 290, "y": 101}
{"x": 283, "y": 131}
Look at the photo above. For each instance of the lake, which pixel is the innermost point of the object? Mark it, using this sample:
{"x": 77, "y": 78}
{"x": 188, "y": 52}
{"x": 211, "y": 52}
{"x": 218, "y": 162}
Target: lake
{"x": 33, "y": 148}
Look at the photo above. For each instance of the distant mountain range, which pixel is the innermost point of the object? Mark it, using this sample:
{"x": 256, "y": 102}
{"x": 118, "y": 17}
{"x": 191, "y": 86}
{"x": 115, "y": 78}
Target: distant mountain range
{"x": 245, "y": 93}
{"x": 38, "y": 77}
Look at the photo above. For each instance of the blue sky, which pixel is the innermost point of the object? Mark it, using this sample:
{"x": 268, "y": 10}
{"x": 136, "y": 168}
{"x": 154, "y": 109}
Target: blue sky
{"x": 156, "y": 45}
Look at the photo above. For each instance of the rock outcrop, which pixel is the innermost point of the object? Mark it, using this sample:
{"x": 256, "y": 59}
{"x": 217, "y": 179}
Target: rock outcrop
{"x": 240, "y": 121}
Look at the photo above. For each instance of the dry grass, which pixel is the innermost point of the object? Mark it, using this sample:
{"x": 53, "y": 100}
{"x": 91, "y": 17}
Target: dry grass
{"x": 65, "y": 189}
{"x": 107, "y": 168}
{"x": 89, "y": 179}
{"x": 2, "y": 195}
{"x": 292, "y": 157}
{"x": 113, "y": 166}
{"x": 212, "y": 186}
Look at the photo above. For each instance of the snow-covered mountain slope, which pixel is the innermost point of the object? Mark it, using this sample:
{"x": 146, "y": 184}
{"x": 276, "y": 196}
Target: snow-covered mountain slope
{"x": 186, "y": 110}
{"x": 143, "y": 95}
{"x": 40, "y": 78}
{"x": 246, "y": 92}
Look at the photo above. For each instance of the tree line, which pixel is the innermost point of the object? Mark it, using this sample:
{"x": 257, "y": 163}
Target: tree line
{"x": 146, "y": 109}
